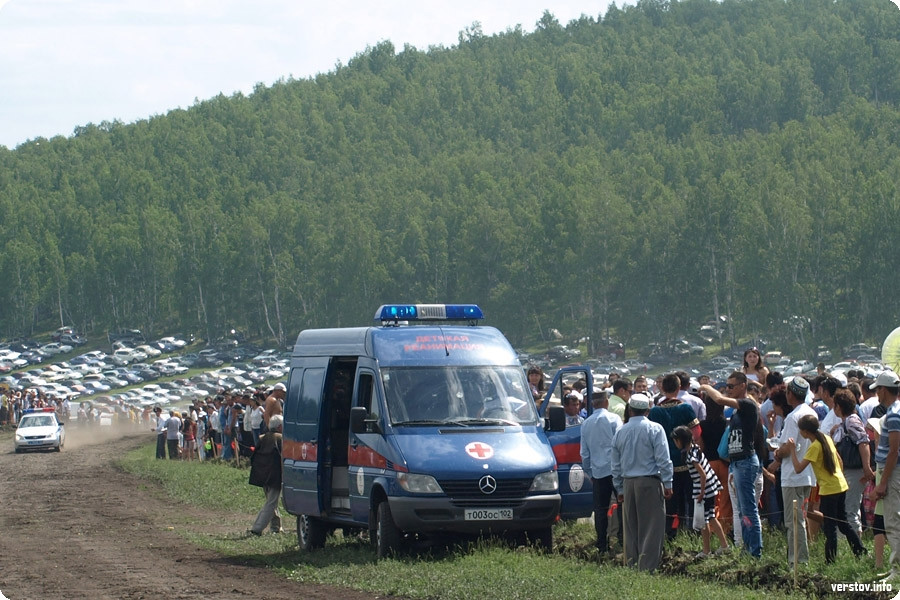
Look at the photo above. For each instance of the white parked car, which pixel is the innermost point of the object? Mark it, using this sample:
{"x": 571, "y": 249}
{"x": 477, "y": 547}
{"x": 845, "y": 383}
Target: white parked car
{"x": 55, "y": 348}
{"x": 231, "y": 372}
{"x": 150, "y": 351}
{"x": 125, "y": 356}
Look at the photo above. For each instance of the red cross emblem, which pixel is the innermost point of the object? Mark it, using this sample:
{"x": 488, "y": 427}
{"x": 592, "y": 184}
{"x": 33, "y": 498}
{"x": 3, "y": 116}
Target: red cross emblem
{"x": 479, "y": 450}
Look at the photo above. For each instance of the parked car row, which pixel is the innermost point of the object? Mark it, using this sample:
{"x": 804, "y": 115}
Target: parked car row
{"x": 96, "y": 373}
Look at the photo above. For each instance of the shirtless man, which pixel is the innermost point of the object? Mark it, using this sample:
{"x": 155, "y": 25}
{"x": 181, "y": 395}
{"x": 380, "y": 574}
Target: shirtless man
{"x": 274, "y": 402}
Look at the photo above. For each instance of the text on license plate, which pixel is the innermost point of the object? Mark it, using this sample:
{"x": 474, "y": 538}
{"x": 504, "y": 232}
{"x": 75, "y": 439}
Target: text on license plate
{"x": 35, "y": 442}
{"x": 489, "y": 514}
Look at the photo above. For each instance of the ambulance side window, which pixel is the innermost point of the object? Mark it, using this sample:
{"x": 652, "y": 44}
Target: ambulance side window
{"x": 366, "y": 395}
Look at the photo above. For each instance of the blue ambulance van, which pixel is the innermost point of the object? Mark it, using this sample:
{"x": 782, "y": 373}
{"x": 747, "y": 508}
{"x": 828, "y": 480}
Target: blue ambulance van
{"x": 422, "y": 424}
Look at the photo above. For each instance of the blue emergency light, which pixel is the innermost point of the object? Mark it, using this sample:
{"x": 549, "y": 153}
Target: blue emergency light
{"x": 428, "y": 312}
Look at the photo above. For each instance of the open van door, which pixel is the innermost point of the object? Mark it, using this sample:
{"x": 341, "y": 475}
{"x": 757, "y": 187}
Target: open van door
{"x": 574, "y": 484}
{"x": 304, "y": 485}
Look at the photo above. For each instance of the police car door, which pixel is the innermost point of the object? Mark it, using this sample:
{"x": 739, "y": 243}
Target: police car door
{"x": 574, "y": 485}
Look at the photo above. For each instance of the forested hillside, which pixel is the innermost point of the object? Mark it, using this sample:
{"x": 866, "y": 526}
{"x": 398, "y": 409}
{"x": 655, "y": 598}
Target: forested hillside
{"x": 636, "y": 172}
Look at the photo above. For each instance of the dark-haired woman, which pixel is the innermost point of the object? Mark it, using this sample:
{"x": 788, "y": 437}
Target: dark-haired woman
{"x": 536, "y": 384}
{"x": 826, "y": 464}
{"x": 754, "y": 366}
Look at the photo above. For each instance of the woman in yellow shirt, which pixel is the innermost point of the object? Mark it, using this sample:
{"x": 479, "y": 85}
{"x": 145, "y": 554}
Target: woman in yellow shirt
{"x": 826, "y": 464}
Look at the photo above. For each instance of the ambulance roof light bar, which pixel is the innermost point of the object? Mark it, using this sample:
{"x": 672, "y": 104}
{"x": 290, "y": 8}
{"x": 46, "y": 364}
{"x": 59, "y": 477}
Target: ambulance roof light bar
{"x": 394, "y": 313}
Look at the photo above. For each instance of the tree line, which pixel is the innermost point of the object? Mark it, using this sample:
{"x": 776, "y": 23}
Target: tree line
{"x": 632, "y": 174}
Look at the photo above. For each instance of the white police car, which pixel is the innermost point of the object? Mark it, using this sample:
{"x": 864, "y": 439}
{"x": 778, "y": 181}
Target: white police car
{"x": 39, "y": 429}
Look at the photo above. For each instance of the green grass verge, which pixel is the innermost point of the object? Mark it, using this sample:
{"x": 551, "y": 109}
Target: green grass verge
{"x": 480, "y": 569}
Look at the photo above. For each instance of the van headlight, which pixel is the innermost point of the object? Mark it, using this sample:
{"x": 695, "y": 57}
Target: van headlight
{"x": 545, "y": 482}
{"x": 419, "y": 484}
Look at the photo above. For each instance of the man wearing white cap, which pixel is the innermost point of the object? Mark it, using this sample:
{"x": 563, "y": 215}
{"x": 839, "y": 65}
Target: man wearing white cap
{"x": 795, "y": 486}
{"x": 642, "y": 474}
{"x": 887, "y": 388}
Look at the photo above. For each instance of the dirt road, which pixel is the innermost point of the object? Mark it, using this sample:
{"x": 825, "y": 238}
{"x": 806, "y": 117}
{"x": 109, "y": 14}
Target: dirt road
{"x": 73, "y": 527}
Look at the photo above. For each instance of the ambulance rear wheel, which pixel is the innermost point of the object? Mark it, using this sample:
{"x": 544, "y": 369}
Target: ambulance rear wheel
{"x": 387, "y": 534}
{"x": 311, "y": 533}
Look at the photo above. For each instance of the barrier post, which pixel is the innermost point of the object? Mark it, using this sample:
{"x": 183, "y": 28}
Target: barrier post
{"x": 795, "y": 541}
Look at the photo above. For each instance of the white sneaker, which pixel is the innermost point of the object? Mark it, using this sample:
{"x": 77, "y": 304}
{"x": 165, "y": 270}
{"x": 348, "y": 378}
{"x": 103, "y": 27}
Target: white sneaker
{"x": 701, "y": 555}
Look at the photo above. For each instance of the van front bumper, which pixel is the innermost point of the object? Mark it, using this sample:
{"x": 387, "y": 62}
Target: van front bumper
{"x": 422, "y": 514}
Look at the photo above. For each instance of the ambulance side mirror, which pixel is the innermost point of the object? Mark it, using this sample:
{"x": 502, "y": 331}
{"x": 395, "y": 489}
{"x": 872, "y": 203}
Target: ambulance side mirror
{"x": 556, "y": 419}
{"x": 359, "y": 423}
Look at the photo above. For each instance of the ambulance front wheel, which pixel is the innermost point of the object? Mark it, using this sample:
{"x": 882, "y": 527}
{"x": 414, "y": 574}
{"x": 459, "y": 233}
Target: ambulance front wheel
{"x": 541, "y": 538}
{"x": 311, "y": 533}
{"x": 387, "y": 534}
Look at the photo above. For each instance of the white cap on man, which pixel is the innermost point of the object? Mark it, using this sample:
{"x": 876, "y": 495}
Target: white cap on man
{"x": 886, "y": 379}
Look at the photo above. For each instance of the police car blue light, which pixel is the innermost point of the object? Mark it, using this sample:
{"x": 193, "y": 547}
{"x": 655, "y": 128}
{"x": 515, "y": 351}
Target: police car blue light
{"x": 429, "y": 312}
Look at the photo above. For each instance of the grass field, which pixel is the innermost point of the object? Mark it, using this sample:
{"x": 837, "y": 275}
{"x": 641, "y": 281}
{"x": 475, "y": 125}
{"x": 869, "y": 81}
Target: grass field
{"x": 487, "y": 568}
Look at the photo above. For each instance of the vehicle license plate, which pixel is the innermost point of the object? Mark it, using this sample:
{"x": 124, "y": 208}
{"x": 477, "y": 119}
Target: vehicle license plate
{"x": 489, "y": 514}
{"x": 35, "y": 443}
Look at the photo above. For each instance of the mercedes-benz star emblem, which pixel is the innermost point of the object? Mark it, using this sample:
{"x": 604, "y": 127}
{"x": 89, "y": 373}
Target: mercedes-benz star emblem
{"x": 487, "y": 484}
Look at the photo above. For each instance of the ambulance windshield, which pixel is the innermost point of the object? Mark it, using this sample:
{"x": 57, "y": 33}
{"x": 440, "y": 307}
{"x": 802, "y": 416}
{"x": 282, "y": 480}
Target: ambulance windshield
{"x": 459, "y": 396}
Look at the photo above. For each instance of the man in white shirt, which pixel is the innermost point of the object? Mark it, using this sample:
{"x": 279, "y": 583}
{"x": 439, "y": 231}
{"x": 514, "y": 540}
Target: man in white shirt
{"x": 827, "y": 388}
{"x": 795, "y": 486}
{"x": 597, "y": 433}
{"x": 173, "y": 426}
{"x": 160, "y": 428}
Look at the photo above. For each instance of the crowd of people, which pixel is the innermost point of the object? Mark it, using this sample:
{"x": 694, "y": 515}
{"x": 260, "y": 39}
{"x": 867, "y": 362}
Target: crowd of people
{"x": 227, "y": 425}
{"x": 680, "y": 453}
{"x": 13, "y": 404}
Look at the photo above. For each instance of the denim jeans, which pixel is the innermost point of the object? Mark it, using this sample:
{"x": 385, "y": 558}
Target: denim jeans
{"x": 227, "y": 451}
{"x": 745, "y": 471}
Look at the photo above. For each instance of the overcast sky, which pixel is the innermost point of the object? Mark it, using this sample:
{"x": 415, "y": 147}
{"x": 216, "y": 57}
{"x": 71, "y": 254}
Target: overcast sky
{"x": 65, "y": 63}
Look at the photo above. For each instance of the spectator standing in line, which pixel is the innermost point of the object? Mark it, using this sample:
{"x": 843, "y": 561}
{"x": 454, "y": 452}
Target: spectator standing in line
{"x": 189, "y": 432}
{"x": 202, "y": 421}
{"x": 621, "y": 392}
{"x": 887, "y": 388}
{"x": 226, "y": 419}
{"x": 823, "y": 458}
{"x": 597, "y": 432}
{"x": 754, "y": 366}
{"x": 274, "y": 402}
{"x": 857, "y": 477}
{"x": 772, "y": 500}
{"x": 670, "y": 413}
{"x": 173, "y": 426}
{"x": 214, "y": 426}
{"x": 265, "y": 472}
{"x": 794, "y": 486}
{"x": 686, "y": 396}
{"x": 256, "y": 420}
{"x": 160, "y": 428}
{"x": 743, "y": 432}
{"x": 711, "y": 431}
{"x": 706, "y": 487}
{"x": 641, "y": 386}
{"x": 642, "y": 472}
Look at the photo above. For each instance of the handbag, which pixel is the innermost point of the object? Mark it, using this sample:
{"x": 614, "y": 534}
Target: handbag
{"x": 699, "y": 516}
{"x": 849, "y": 451}
{"x": 723, "y": 444}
